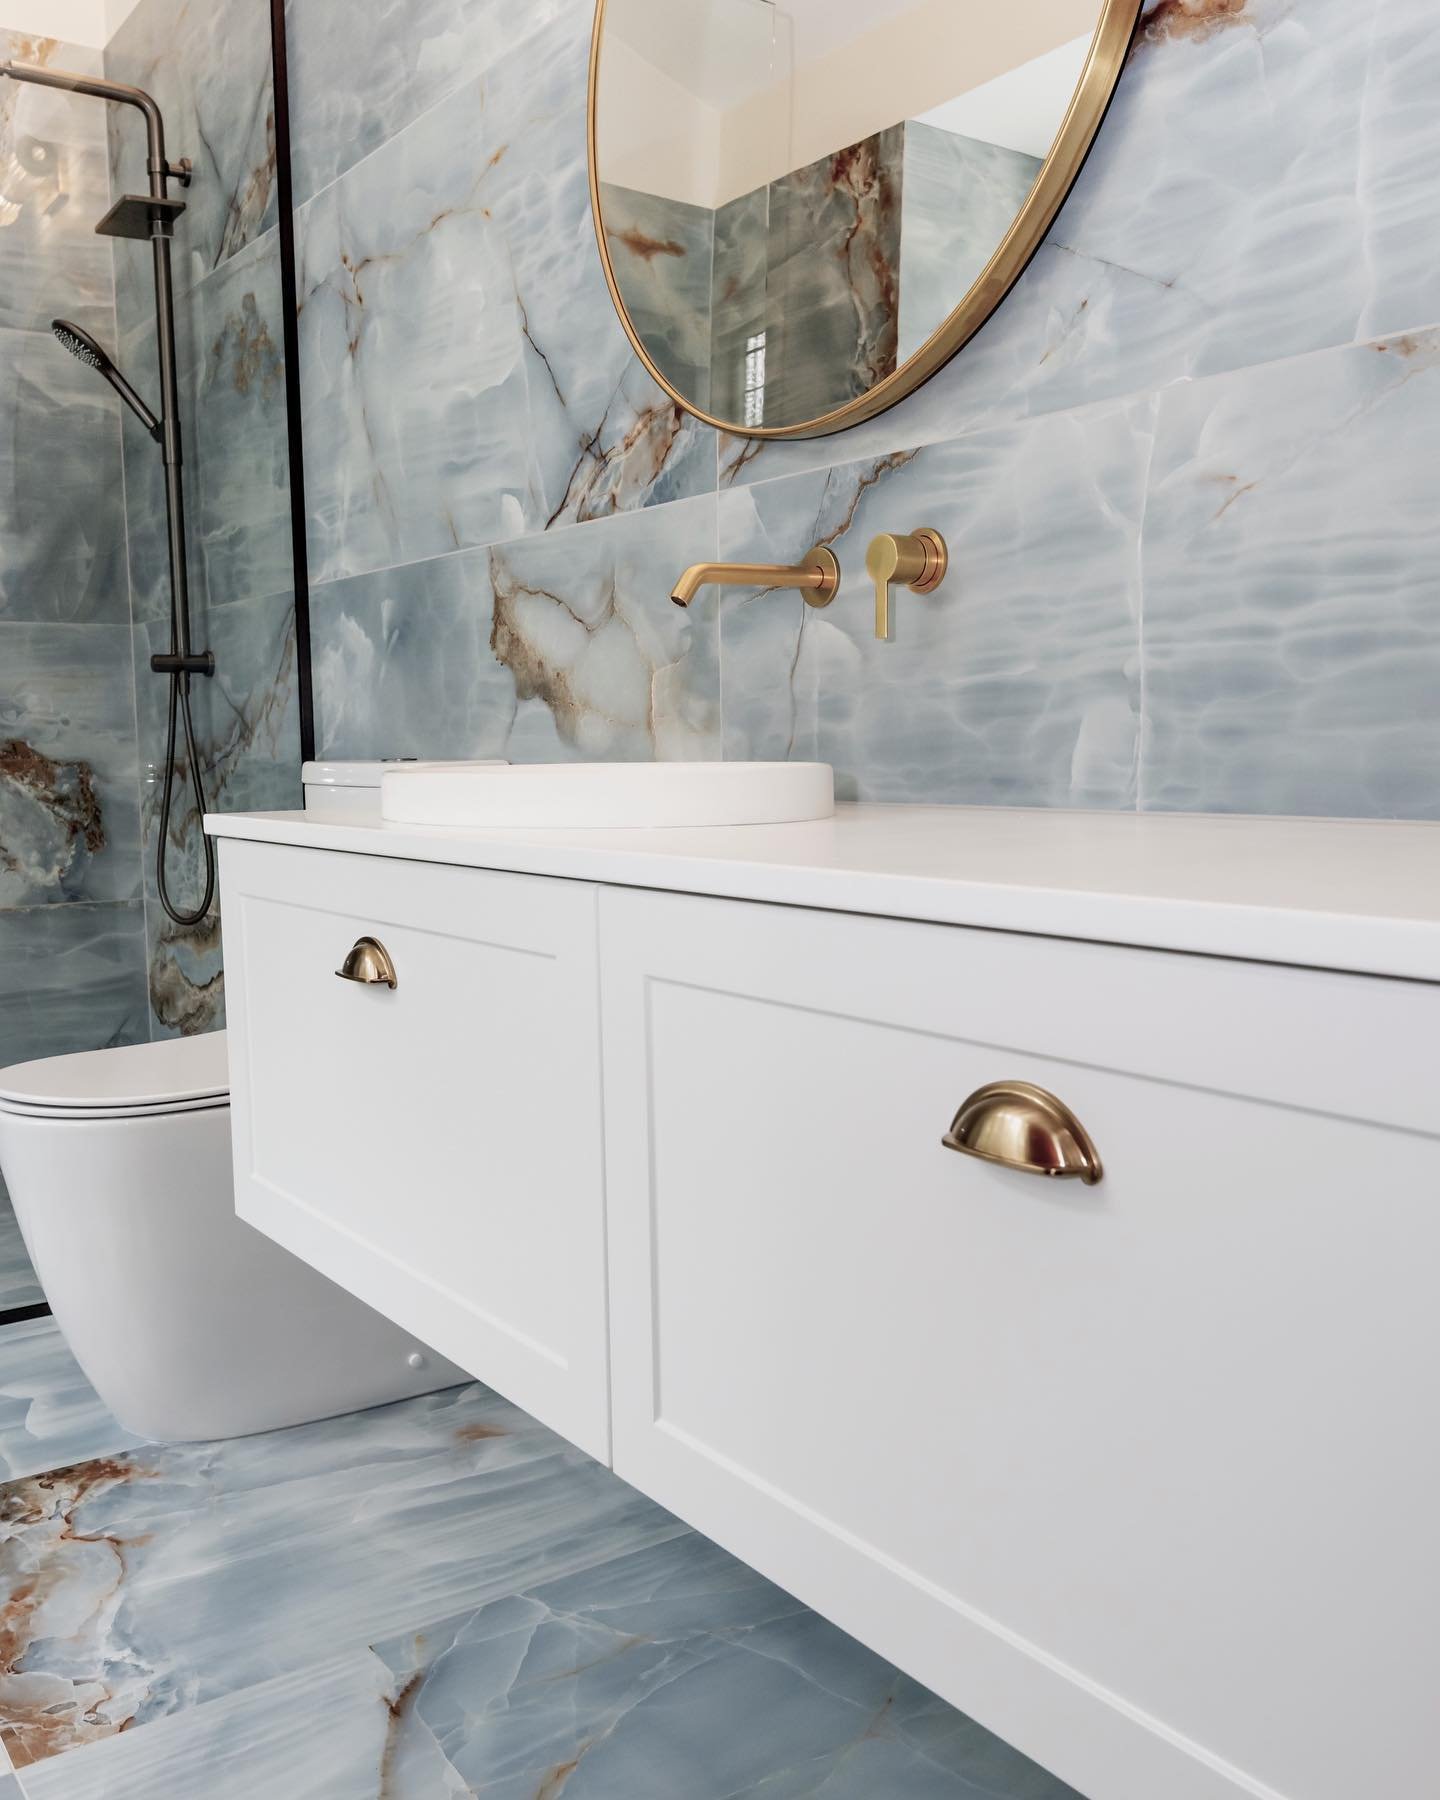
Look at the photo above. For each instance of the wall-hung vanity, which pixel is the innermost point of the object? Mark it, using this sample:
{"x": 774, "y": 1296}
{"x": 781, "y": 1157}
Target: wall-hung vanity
{"x": 651, "y": 1133}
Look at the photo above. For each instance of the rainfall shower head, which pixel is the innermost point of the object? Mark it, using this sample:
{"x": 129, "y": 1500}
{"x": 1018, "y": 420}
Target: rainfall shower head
{"x": 80, "y": 344}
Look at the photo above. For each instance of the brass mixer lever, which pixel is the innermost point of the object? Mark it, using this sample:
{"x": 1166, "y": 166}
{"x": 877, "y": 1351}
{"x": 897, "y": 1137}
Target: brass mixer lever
{"x": 918, "y": 562}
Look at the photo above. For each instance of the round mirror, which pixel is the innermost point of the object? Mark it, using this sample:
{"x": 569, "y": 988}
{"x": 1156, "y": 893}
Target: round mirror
{"x": 806, "y": 207}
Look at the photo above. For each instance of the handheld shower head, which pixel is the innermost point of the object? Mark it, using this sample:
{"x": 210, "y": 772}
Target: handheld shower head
{"x": 81, "y": 345}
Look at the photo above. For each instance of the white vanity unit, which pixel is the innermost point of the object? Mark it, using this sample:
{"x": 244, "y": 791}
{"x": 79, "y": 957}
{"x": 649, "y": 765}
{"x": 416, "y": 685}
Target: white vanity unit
{"x": 1143, "y": 1473}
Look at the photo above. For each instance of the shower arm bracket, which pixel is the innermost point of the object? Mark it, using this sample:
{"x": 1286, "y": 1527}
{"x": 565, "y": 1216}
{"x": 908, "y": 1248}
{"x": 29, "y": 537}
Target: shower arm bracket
{"x": 191, "y": 662}
{"x": 183, "y": 171}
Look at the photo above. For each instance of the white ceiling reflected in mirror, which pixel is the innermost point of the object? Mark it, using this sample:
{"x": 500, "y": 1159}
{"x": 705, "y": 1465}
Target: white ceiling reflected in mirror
{"x": 805, "y": 207}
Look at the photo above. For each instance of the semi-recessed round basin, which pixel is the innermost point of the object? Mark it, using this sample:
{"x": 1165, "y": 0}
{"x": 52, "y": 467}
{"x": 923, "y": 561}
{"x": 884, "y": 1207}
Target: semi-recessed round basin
{"x": 483, "y": 796}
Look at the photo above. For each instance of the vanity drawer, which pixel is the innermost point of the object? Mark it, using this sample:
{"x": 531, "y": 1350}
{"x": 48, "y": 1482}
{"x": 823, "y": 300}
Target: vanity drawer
{"x": 1141, "y": 1474}
{"x": 435, "y": 1149}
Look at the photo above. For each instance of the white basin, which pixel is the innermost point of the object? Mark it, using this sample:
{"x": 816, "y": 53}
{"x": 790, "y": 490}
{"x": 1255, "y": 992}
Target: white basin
{"x": 570, "y": 795}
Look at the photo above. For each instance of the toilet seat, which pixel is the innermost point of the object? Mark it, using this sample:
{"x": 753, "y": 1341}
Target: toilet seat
{"x": 79, "y": 1114}
{"x": 126, "y": 1081}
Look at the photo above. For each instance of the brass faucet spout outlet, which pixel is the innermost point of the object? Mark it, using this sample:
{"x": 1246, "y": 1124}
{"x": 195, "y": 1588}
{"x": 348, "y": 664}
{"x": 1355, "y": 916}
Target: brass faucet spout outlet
{"x": 817, "y": 577}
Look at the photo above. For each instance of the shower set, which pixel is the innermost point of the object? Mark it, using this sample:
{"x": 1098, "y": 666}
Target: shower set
{"x": 152, "y": 216}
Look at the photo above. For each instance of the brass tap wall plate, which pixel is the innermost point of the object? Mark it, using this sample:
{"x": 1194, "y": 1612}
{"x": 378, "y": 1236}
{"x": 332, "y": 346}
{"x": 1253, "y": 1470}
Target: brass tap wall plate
{"x": 1114, "y": 28}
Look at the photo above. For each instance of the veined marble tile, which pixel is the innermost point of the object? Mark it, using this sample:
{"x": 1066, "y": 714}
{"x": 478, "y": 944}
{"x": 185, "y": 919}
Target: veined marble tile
{"x": 465, "y": 378}
{"x": 358, "y": 77}
{"x": 71, "y": 978}
{"x": 248, "y": 728}
{"x": 50, "y": 1416}
{"x": 959, "y": 199}
{"x": 1292, "y": 588}
{"x": 738, "y": 303}
{"x": 62, "y": 510}
{"x": 69, "y": 803}
{"x": 208, "y": 67}
{"x": 185, "y": 965}
{"x": 627, "y": 1681}
{"x": 146, "y": 531}
{"x": 1017, "y": 683}
{"x": 57, "y": 186}
{"x": 1186, "y": 251}
{"x": 411, "y": 356}
{"x": 19, "y": 1284}
{"x": 548, "y": 648}
{"x": 242, "y": 454}
{"x": 403, "y": 664}
{"x": 319, "y": 1734}
{"x": 832, "y": 278}
{"x": 259, "y": 1557}
{"x": 663, "y": 252}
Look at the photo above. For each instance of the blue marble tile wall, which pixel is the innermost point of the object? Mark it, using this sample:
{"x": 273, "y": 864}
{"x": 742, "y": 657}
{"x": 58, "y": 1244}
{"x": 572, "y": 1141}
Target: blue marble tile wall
{"x": 72, "y": 946}
{"x": 1187, "y": 472}
{"x": 209, "y": 68}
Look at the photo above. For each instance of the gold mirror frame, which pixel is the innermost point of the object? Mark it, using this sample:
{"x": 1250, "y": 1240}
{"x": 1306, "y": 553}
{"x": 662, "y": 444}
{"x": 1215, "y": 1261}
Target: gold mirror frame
{"x": 1078, "y": 130}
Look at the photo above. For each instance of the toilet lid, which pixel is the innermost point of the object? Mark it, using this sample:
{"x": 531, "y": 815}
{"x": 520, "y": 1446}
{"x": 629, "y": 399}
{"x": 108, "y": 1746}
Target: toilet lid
{"x": 176, "y": 1074}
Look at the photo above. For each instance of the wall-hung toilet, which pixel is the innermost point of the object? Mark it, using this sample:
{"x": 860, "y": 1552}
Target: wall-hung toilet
{"x": 187, "y": 1322}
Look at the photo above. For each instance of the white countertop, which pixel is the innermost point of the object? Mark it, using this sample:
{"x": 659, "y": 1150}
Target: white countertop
{"x": 1339, "y": 894}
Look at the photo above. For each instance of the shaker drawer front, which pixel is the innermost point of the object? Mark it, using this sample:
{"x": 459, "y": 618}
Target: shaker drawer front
{"x": 434, "y": 1147}
{"x": 1134, "y": 1472}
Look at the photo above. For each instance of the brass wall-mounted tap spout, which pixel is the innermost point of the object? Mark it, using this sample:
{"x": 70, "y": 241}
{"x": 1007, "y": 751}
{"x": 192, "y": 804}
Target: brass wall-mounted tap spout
{"x": 817, "y": 577}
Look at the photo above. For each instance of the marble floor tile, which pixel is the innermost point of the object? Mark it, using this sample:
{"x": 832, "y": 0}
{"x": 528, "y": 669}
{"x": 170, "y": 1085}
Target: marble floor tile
{"x": 50, "y": 1416}
{"x": 176, "y": 1575}
{"x": 320, "y": 1734}
{"x": 19, "y": 1284}
{"x": 676, "y": 1673}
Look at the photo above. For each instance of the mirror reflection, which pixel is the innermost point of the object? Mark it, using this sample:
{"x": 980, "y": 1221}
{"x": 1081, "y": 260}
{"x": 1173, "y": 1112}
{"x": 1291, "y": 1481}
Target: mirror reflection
{"x": 796, "y": 196}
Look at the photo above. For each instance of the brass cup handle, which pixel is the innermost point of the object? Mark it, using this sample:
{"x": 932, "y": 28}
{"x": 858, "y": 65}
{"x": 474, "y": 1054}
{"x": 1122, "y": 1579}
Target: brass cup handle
{"x": 1021, "y": 1126}
{"x": 370, "y": 964}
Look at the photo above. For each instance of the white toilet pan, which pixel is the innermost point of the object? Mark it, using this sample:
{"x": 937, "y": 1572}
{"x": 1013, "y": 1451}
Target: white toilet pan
{"x": 187, "y": 1322}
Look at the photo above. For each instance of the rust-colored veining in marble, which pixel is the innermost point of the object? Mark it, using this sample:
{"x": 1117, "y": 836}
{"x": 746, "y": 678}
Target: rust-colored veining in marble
{"x": 246, "y": 349}
{"x": 397, "y": 1706}
{"x": 248, "y": 203}
{"x": 180, "y": 1000}
{"x": 1235, "y": 489}
{"x": 866, "y": 176}
{"x": 65, "y": 791}
{"x": 60, "y": 1567}
{"x": 536, "y": 676}
{"x": 1417, "y": 349}
{"x": 1192, "y": 19}
{"x": 479, "y": 1434}
{"x": 603, "y": 477}
{"x": 554, "y": 1782}
{"x": 872, "y": 477}
{"x": 642, "y": 245}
